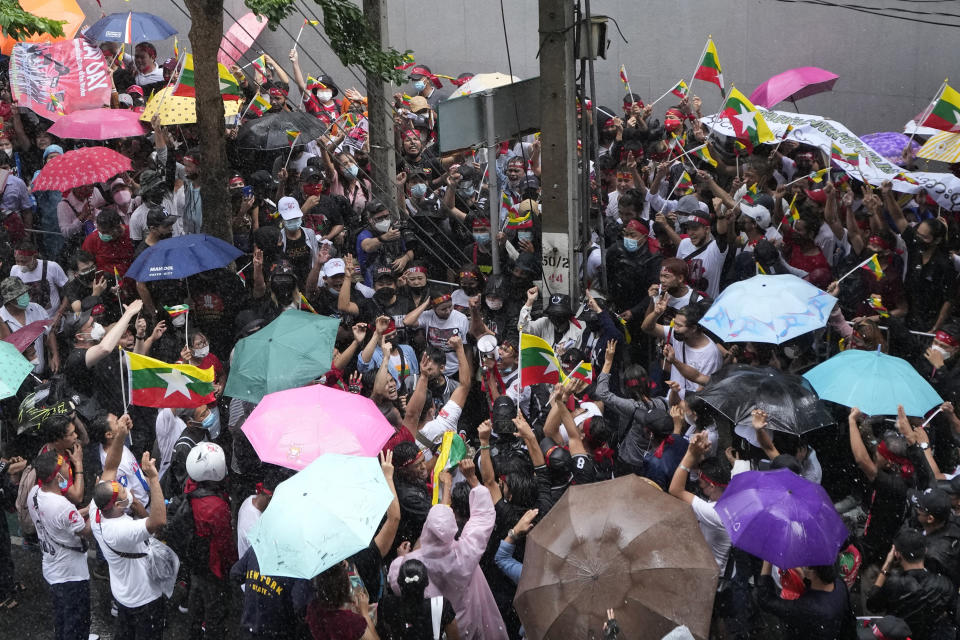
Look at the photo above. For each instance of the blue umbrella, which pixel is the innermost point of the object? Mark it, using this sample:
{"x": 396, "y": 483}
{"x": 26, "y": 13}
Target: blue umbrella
{"x": 131, "y": 27}
{"x": 874, "y": 382}
{"x": 771, "y": 309}
{"x": 322, "y": 515}
{"x": 182, "y": 256}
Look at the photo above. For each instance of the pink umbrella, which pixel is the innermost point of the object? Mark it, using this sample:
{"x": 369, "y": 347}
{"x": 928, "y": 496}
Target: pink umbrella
{"x": 98, "y": 124}
{"x": 294, "y": 427}
{"x": 25, "y": 336}
{"x": 240, "y": 37}
{"x": 793, "y": 85}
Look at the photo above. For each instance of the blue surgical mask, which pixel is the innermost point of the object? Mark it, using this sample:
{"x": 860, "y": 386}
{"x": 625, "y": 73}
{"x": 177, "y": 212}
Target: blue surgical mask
{"x": 482, "y": 238}
{"x": 292, "y": 225}
{"x": 419, "y": 85}
{"x": 106, "y": 237}
{"x": 630, "y": 244}
{"x": 23, "y": 300}
{"x": 525, "y": 235}
{"x": 353, "y": 170}
{"x": 418, "y": 190}
{"x": 62, "y": 482}
{"x": 212, "y": 423}
{"x": 467, "y": 191}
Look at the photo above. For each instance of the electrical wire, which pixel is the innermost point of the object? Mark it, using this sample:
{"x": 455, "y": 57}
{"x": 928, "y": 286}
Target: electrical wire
{"x": 869, "y": 11}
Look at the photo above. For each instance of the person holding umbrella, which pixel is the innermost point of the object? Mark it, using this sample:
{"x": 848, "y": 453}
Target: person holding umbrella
{"x": 823, "y": 610}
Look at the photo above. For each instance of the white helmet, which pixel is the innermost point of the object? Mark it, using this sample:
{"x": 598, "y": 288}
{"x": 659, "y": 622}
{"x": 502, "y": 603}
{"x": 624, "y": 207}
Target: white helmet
{"x": 206, "y": 462}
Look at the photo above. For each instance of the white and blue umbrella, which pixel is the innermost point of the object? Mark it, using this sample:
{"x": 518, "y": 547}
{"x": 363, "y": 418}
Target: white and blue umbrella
{"x": 770, "y": 309}
{"x": 181, "y": 257}
{"x": 874, "y": 382}
{"x": 130, "y": 27}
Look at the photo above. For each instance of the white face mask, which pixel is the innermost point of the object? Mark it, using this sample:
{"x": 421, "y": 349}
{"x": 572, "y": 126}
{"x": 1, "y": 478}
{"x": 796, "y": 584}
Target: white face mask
{"x": 97, "y": 332}
{"x": 180, "y": 320}
{"x": 383, "y": 226}
{"x": 201, "y": 353}
{"x": 324, "y": 96}
{"x": 494, "y": 304}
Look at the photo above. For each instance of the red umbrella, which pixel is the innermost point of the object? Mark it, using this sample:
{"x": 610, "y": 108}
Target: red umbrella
{"x": 240, "y": 37}
{"x": 793, "y": 85}
{"x": 79, "y": 167}
{"x": 25, "y": 336}
{"x": 98, "y": 124}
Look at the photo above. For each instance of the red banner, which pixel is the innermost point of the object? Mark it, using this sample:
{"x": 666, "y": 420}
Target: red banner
{"x": 57, "y": 78}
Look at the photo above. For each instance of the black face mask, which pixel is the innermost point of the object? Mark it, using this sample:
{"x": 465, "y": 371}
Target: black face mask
{"x": 384, "y": 296}
{"x": 471, "y": 289}
{"x": 922, "y": 245}
{"x": 520, "y": 283}
{"x": 87, "y": 278}
{"x": 155, "y": 197}
{"x": 417, "y": 290}
{"x": 283, "y": 290}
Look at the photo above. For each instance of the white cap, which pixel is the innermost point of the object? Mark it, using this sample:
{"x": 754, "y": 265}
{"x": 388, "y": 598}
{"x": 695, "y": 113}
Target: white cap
{"x": 289, "y": 209}
{"x": 334, "y": 267}
{"x": 757, "y": 212}
{"x": 124, "y": 98}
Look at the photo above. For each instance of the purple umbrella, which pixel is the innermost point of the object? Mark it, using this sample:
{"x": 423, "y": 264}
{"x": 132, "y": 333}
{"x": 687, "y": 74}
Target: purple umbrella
{"x": 793, "y": 85}
{"x": 890, "y": 144}
{"x": 781, "y": 518}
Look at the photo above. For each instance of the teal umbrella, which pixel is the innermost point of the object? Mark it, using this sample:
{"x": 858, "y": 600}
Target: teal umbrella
{"x": 322, "y": 515}
{"x": 14, "y": 369}
{"x": 294, "y": 349}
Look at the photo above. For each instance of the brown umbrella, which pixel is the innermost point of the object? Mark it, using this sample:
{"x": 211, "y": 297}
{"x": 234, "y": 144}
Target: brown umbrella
{"x": 620, "y": 544}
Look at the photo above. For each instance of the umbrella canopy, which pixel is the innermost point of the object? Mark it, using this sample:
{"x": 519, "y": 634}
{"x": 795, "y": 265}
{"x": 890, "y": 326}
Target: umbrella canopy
{"x": 793, "y": 85}
{"x": 321, "y": 516}
{"x": 482, "y": 82}
{"x": 14, "y": 369}
{"x": 175, "y": 110}
{"x": 270, "y": 131}
{"x": 293, "y": 428}
{"x": 130, "y": 27}
{"x": 67, "y": 10}
{"x": 76, "y": 168}
{"x": 181, "y": 257}
{"x": 791, "y": 404}
{"x": 890, "y": 144}
{"x": 943, "y": 147}
{"x": 239, "y": 37}
{"x": 623, "y": 544}
{"x": 98, "y": 124}
{"x": 782, "y": 518}
{"x": 874, "y": 382}
{"x": 25, "y": 336}
{"x": 772, "y": 309}
{"x": 294, "y": 349}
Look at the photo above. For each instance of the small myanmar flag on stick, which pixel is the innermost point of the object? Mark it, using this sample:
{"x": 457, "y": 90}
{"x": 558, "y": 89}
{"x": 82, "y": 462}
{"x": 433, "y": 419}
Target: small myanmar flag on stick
{"x": 709, "y": 68}
{"x": 704, "y": 154}
{"x": 538, "y": 362}
{"x": 311, "y": 22}
{"x": 624, "y": 79}
{"x": 748, "y": 124}
{"x": 685, "y": 184}
{"x": 873, "y": 266}
{"x": 817, "y": 176}
{"x": 583, "y": 372}
{"x": 154, "y": 383}
{"x": 452, "y": 451}
{"x": 945, "y": 114}
{"x": 176, "y": 310}
{"x": 750, "y": 196}
{"x": 292, "y": 135}
{"x": 680, "y": 90}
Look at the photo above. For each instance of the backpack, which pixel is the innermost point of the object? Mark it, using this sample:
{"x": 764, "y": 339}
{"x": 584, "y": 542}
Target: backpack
{"x": 180, "y": 532}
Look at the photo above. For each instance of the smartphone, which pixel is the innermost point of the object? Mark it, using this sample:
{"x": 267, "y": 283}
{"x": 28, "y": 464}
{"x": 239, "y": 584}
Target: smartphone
{"x": 247, "y": 191}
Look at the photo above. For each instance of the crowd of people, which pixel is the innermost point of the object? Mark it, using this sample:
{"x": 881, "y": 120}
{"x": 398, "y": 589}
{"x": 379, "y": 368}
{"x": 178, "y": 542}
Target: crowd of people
{"x": 430, "y": 330}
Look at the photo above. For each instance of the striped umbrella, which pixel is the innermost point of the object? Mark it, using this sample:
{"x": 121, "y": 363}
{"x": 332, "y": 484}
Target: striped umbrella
{"x": 944, "y": 147}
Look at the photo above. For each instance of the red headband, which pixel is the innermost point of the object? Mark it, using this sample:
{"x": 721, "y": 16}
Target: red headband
{"x": 55, "y": 471}
{"x": 277, "y": 93}
{"x": 417, "y": 270}
{"x": 880, "y": 635}
{"x": 638, "y": 226}
{"x": 441, "y": 299}
{"x": 262, "y": 490}
{"x": 189, "y": 158}
{"x": 906, "y": 467}
{"x": 946, "y": 338}
{"x": 468, "y": 274}
{"x": 546, "y": 455}
{"x": 411, "y": 133}
{"x": 710, "y": 481}
{"x": 878, "y": 241}
{"x": 414, "y": 459}
{"x": 115, "y": 486}
{"x": 23, "y": 252}
{"x": 236, "y": 181}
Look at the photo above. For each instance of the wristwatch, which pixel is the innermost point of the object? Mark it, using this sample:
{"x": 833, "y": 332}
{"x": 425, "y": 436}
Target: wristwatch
{"x": 924, "y": 445}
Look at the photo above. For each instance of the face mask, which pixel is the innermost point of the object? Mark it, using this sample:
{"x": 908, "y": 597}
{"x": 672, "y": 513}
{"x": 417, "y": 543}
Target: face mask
{"x": 122, "y": 197}
{"x": 526, "y": 236}
{"x": 201, "y": 353}
{"x": 97, "y": 332}
{"x": 630, "y": 244}
{"x": 292, "y": 225}
{"x": 105, "y": 237}
{"x": 334, "y": 291}
{"x": 62, "y": 482}
{"x": 494, "y": 304}
{"x": 384, "y": 295}
{"x": 313, "y": 188}
{"x": 23, "y": 300}
{"x": 353, "y": 170}
{"x": 467, "y": 191}
{"x": 417, "y": 290}
{"x": 922, "y": 244}
{"x": 946, "y": 354}
{"x": 283, "y": 291}
{"x": 180, "y": 320}
{"x": 482, "y": 238}
{"x": 419, "y": 85}
{"x": 86, "y": 277}
{"x": 418, "y": 190}
{"x": 324, "y": 96}
{"x": 383, "y": 225}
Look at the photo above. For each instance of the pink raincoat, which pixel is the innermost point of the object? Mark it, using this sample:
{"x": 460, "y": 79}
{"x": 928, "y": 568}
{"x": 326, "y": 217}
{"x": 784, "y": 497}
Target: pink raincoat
{"x": 454, "y": 566}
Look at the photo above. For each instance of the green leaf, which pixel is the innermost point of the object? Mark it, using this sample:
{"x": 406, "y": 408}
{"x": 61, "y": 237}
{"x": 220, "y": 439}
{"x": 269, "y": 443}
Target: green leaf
{"x": 17, "y": 23}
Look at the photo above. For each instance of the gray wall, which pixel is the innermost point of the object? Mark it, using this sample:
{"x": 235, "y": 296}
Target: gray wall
{"x": 888, "y": 68}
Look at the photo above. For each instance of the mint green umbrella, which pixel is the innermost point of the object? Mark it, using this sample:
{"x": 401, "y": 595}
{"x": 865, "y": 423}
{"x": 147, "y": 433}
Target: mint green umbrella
{"x": 294, "y": 349}
{"x": 14, "y": 368}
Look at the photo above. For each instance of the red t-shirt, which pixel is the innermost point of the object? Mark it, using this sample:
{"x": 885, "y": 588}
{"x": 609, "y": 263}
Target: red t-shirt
{"x": 338, "y": 624}
{"x": 116, "y": 253}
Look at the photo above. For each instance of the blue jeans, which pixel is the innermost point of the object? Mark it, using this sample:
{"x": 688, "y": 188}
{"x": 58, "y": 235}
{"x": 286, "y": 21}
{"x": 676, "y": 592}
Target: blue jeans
{"x": 71, "y": 610}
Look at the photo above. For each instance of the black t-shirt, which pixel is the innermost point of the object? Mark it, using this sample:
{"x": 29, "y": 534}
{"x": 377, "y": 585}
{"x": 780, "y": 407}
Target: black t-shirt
{"x": 369, "y": 565}
{"x": 928, "y": 285}
{"x": 398, "y": 620}
{"x": 327, "y": 214}
{"x": 100, "y": 382}
{"x": 76, "y": 290}
{"x": 298, "y": 253}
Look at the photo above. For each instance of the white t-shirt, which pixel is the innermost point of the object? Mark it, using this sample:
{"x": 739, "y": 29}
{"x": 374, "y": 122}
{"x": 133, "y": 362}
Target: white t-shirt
{"x": 152, "y": 77}
{"x": 58, "y": 526}
{"x": 130, "y": 581}
{"x": 247, "y": 516}
{"x": 138, "y": 219}
{"x": 589, "y": 410}
{"x": 706, "y": 360}
{"x": 169, "y": 428}
{"x": 130, "y": 476}
{"x": 439, "y": 331}
{"x": 34, "y": 312}
{"x": 56, "y": 278}
{"x": 446, "y": 420}
{"x": 707, "y": 265}
{"x": 713, "y": 530}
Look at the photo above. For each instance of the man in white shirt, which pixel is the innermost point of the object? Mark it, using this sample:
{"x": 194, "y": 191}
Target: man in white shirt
{"x": 690, "y": 346}
{"x": 124, "y": 542}
{"x": 441, "y": 323}
{"x": 145, "y": 58}
{"x": 557, "y": 326}
{"x": 44, "y": 278}
{"x": 703, "y": 253}
{"x": 62, "y": 530}
{"x": 102, "y": 431}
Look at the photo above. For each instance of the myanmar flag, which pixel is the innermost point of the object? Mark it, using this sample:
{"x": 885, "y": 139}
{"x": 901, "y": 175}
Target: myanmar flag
{"x": 680, "y": 90}
{"x": 538, "y": 362}
{"x": 685, "y": 184}
{"x": 817, "y": 176}
{"x": 838, "y": 154}
{"x": 583, "y": 372}
{"x": 517, "y": 220}
{"x": 187, "y": 82}
{"x": 873, "y": 266}
{"x": 704, "y": 154}
{"x": 260, "y": 105}
{"x": 623, "y": 78}
{"x": 292, "y": 135}
{"x": 452, "y": 451}
{"x": 945, "y": 114}
{"x": 154, "y": 383}
{"x": 709, "y": 68}
{"x": 750, "y": 195}
{"x": 748, "y": 125}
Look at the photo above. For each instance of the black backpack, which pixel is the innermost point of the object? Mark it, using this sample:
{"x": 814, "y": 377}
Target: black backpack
{"x": 180, "y": 532}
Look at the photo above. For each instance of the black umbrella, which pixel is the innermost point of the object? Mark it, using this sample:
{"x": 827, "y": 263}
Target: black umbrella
{"x": 791, "y": 404}
{"x": 271, "y": 131}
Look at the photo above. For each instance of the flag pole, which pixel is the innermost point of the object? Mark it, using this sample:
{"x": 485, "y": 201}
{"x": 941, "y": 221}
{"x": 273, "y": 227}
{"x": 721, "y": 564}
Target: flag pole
{"x": 123, "y": 393}
{"x": 856, "y": 267}
{"x": 290, "y": 153}
{"x": 299, "y": 33}
{"x": 926, "y": 112}
{"x": 665, "y": 94}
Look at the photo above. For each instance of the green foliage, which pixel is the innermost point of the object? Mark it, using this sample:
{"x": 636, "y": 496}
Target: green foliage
{"x": 17, "y": 23}
{"x": 350, "y": 35}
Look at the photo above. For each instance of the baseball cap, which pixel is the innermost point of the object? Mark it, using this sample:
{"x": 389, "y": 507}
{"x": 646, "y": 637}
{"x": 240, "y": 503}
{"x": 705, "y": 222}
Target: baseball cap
{"x": 73, "y": 322}
{"x": 418, "y": 104}
{"x": 384, "y": 273}
{"x": 910, "y": 544}
{"x": 936, "y": 502}
{"x": 529, "y": 182}
{"x": 125, "y": 99}
{"x": 334, "y": 267}
{"x": 159, "y": 218}
{"x": 757, "y": 213}
{"x": 559, "y": 304}
{"x": 951, "y": 486}
{"x": 134, "y": 89}
{"x": 888, "y": 627}
{"x": 689, "y": 204}
{"x": 289, "y": 209}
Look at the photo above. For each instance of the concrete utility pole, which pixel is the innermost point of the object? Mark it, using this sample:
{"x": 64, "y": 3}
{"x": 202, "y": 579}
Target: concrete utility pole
{"x": 379, "y": 116}
{"x": 558, "y": 118}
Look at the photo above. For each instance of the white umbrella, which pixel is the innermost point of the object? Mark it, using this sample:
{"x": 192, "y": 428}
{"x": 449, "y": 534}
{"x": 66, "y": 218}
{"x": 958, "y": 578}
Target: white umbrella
{"x": 482, "y": 82}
